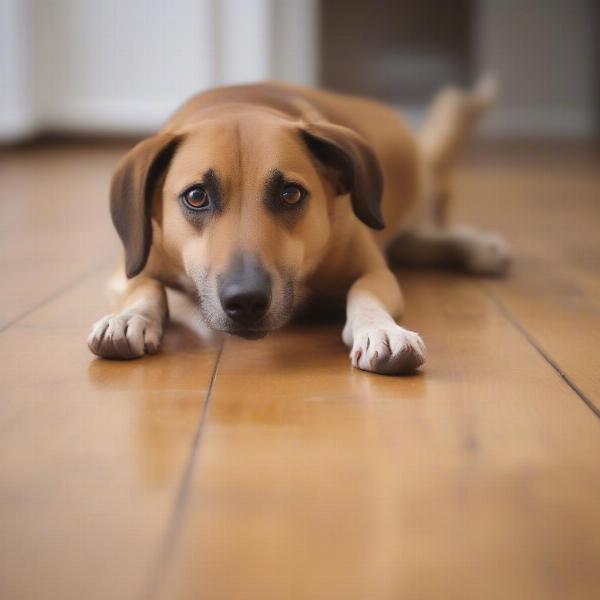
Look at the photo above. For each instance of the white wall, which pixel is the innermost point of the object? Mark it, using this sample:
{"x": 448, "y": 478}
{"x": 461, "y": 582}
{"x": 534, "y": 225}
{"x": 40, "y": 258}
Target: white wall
{"x": 115, "y": 64}
{"x": 124, "y": 65}
{"x": 17, "y": 113}
{"x": 105, "y": 65}
{"x": 545, "y": 57}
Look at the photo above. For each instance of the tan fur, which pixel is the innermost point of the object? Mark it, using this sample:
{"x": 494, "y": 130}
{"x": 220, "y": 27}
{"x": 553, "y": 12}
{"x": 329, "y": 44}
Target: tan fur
{"x": 245, "y": 132}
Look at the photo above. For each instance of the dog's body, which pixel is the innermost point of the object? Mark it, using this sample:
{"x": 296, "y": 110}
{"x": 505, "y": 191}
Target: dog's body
{"x": 255, "y": 197}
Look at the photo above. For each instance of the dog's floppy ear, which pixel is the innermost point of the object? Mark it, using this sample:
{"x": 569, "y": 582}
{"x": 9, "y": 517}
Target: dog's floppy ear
{"x": 131, "y": 192}
{"x": 353, "y": 166}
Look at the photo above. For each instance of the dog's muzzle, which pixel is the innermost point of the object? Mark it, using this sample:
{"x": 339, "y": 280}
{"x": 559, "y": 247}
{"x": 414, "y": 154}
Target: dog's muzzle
{"x": 245, "y": 295}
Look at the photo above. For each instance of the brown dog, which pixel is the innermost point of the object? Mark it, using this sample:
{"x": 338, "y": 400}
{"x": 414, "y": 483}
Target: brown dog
{"x": 253, "y": 197}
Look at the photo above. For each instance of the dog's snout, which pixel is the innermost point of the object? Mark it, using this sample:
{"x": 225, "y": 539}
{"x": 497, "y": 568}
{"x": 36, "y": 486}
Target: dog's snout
{"x": 245, "y": 306}
{"x": 245, "y": 292}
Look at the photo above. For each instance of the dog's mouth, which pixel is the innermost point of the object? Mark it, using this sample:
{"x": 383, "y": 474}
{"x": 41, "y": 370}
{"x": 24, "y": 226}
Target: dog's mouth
{"x": 215, "y": 317}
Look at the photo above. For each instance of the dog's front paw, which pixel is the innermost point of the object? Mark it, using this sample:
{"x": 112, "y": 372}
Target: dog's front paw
{"x": 125, "y": 335}
{"x": 388, "y": 349}
{"x": 485, "y": 253}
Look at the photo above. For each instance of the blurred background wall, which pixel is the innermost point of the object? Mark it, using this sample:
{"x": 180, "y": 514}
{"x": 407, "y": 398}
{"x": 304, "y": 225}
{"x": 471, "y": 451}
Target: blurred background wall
{"x": 121, "y": 66}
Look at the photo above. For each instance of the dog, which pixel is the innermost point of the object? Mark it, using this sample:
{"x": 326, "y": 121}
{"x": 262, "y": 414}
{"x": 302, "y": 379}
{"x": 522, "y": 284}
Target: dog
{"x": 254, "y": 198}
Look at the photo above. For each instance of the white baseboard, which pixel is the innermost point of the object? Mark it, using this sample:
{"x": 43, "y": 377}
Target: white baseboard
{"x": 505, "y": 122}
{"x": 141, "y": 117}
{"x": 135, "y": 117}
{"x": 16, "y": 125}
{"x": 539, "y": 123}
{"x": 130, "y": 116}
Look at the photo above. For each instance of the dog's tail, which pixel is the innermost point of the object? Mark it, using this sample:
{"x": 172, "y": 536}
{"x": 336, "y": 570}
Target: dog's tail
{"x": 451, "y": 118}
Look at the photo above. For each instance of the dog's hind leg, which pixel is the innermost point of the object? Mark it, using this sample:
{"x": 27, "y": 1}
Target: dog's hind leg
{"x": 136, "y": 326}
{"x": 465, "y": 248}
{"x": 429, "y": 240}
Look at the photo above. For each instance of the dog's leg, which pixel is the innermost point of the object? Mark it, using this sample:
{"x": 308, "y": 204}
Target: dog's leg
{"x": 377, "y": 342}
{"x": 430, "y": 241}
{"x": 466, "y": 248}
{"x": 136, "y": 326}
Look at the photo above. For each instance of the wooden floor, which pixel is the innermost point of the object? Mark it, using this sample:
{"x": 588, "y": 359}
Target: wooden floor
{"x": 271, "y": 469}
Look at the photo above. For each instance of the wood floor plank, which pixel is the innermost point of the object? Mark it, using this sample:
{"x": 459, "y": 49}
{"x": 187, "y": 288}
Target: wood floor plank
{"x": 551, "y": 215}
{"x": 478, "y": 479}
{"x": 54, "y": 221}
{"x": 91, "y": 452}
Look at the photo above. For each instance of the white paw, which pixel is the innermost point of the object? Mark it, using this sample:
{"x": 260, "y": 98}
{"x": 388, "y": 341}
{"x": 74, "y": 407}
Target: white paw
{"x": 125, "y": 335}
{"x": 485, "y": 253}
{"x": 388, "y": 349}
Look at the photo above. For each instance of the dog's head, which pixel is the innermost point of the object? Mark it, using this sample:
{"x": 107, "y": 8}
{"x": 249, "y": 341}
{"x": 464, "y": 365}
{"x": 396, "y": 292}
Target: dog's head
{"x": 244, "y": 207}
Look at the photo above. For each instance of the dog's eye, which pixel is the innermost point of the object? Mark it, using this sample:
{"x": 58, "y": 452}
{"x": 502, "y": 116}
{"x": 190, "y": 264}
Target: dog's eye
{"x": 292, "y": 194}
{"x": 196, "y": 198}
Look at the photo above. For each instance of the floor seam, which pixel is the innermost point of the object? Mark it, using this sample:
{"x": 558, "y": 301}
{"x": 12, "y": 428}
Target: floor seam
{"x": 508, "y": 314}
{"x": 56, "y": 294}
{"x": 162, "y": 559}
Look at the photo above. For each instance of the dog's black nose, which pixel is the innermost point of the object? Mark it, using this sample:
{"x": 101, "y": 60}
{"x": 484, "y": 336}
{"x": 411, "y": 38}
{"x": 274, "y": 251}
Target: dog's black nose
{"x": 245, "y": 306}
{"x": 245, "y": 291}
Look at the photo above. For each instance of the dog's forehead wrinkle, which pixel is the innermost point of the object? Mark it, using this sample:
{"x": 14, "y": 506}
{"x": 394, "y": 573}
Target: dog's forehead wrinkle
{"x": 265, "y": 141}
{"x": 243, "y": 151}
